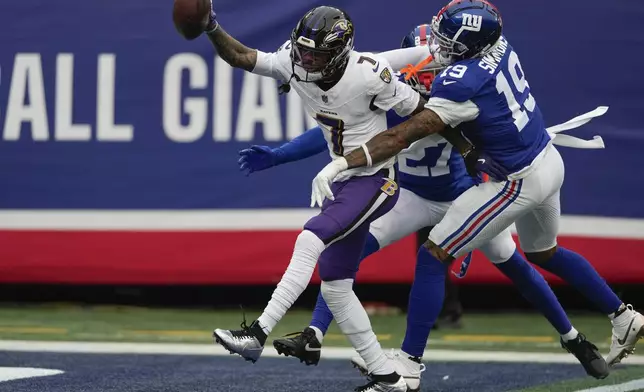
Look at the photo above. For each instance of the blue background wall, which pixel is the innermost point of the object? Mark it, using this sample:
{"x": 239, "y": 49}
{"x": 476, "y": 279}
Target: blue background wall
{"x": 577, "y": 54}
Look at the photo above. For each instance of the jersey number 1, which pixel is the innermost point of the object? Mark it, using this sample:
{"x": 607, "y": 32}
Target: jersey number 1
{"x": 527, "y": 103}
{"x": 336, "y": 127}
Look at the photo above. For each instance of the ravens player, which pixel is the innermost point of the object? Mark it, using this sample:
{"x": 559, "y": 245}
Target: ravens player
{"x": 348, "y": 93}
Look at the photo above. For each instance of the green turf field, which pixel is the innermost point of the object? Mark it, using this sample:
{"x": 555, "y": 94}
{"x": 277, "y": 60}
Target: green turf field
{"x": 502, "y": 331}
{"x": 494, "y": 332}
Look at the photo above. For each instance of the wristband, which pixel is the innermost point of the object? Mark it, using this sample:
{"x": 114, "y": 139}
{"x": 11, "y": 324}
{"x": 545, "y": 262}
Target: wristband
{"x": 366, "y": 153}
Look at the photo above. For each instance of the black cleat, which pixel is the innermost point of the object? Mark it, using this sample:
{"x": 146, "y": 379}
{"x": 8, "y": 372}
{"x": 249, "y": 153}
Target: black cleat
{"x": 303, "y": 345}
{"x": 588, "y": 356}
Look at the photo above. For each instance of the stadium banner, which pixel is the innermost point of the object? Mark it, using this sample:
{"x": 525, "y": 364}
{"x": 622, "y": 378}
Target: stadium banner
{"x": 119, "y": 140}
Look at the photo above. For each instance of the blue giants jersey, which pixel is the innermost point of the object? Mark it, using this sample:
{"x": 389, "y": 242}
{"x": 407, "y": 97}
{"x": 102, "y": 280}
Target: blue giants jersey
{"x": 509, "y": 126}
{"x": 432, "y": 169}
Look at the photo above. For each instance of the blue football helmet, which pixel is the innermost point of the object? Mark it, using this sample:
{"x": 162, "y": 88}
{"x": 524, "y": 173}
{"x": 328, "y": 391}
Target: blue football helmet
{"x": 466, "y": 29}
{"x": 422, "y": 79}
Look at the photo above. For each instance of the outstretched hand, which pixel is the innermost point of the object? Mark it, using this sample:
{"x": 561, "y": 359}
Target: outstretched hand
{"x": 256, "y": 158}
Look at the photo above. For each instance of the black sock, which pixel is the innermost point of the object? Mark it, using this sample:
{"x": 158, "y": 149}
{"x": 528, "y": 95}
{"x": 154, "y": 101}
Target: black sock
{"x": 258, "y": 332}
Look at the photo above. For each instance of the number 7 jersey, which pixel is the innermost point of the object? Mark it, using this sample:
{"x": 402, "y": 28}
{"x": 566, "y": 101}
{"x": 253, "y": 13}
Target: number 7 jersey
{"x": 354, "y": 110}
{"x": 489, "y": 100}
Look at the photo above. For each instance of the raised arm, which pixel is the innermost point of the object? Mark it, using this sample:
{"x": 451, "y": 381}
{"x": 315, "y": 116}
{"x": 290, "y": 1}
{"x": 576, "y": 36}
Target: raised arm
{"x": 229, "y": 49}
{"x": 233, "y": 52}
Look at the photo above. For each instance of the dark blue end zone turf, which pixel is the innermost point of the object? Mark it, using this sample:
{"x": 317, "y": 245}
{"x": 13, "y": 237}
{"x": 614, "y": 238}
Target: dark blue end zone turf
{"x": 160, "y": 373}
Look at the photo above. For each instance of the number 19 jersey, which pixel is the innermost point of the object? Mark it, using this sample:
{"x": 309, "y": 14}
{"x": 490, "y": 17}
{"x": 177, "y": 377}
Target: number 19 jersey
{"x": 489, "y": 100}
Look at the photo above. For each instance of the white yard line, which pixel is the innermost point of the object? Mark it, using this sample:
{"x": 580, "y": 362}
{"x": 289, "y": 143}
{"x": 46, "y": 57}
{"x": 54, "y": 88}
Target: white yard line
{"x": 625, "y": 387}
{"x": 16, "y": 373}
{"x": 328, "y": 352}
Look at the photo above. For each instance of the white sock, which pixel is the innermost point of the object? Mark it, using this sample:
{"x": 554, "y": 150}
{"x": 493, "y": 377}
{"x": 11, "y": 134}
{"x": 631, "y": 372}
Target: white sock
{"x": 623, "y": 318}
{"x": 571, "y": 335}
{"x": 318, "y": 333}
{"x": 621, "y": 315}
{"x": 308, "y": 248}
{"x": 354, "y": 323}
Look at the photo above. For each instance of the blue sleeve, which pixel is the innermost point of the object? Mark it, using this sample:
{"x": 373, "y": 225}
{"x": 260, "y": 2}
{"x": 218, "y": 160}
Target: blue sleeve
{"x": 451, "y": 89}
{"x": 311, "y": 142}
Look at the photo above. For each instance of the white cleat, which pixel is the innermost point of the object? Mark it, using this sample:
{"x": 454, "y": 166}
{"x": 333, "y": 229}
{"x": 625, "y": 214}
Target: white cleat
{"x": 410, "y": 370}
{"x": 381, "y": 386}
{"x": 242, "y": 342}
{"x": 628, "y": 328}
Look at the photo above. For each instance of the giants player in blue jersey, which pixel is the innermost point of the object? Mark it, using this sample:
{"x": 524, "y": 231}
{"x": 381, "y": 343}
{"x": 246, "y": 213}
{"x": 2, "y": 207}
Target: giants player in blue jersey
{"x": 484, "y": 92}
{"x": 431, "y": 175}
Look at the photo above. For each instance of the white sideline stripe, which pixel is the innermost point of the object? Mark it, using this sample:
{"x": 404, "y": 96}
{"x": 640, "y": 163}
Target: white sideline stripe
{"x": 328, "y": 352}
{"x": 625, "y": 387}
{"x": 249, "y": 219}
{"x": 17, "y": 373}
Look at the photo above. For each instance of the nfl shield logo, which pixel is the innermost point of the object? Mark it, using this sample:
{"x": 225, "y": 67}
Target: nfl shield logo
{"x": 325, "y": 99}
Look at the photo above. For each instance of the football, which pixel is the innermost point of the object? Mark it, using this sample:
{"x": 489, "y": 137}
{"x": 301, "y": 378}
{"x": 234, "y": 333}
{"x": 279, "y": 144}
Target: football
{"x": 191, "y": 17}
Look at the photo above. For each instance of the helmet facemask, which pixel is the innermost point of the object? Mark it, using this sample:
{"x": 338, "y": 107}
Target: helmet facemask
{"x": 444, "y": 49}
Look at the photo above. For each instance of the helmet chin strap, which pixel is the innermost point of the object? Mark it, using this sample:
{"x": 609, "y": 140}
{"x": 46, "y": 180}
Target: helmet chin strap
{"x": 325, "y": 82}
{"x": 285, "y": 88}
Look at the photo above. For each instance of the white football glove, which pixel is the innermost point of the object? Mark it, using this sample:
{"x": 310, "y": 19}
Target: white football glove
{"x": 322, "y": 182}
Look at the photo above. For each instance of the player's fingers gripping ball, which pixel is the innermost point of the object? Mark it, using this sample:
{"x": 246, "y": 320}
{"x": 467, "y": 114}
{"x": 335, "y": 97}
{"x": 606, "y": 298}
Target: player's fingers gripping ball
{"x": 192, "y": 17}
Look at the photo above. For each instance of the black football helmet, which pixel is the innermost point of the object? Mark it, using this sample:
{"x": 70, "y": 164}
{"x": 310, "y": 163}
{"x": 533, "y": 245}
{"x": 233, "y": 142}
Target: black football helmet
{"x": 321, "y": 43}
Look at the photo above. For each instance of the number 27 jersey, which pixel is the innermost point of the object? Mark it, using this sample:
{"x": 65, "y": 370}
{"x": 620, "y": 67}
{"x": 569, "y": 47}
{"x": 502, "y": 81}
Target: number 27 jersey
{"x": 489, "y": 100}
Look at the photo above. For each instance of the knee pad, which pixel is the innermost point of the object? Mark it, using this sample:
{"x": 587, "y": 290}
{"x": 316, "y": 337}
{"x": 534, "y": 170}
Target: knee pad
{"x": 309, "y": 241}
{"x": 343, "y": 303}
{"x": 499, "y": 251}
{"x": 335, "y": 290}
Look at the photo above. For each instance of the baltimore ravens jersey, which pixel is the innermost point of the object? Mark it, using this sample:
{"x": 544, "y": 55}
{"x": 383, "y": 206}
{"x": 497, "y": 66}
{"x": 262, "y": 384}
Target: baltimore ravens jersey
{"x": 489, "y": 100}
{"x": 431, "y": 168}
{"x": 354, "y": 109}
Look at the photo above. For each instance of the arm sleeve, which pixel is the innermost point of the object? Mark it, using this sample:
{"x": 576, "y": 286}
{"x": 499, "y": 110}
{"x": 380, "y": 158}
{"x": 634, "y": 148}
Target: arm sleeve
{"x": 453, "y": 113}
{"x": 311, "y": 142}
{"x": 398, "y": 96}
{"x": 268, "y": 65}
{"x": 276, "y": 65}
{"x": 389, "y": 92}
{"x": 400, "y": 58}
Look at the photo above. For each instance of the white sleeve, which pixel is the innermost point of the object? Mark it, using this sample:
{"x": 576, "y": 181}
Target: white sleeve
{"x": 268, "y": 64}
{"x": 453, "y": 113}
{"x": 398, "y": 96}
{"x": 400, "y": 58}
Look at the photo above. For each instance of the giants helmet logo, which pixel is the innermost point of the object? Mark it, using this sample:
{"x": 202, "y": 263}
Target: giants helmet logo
{"x": 472, "y": 22}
